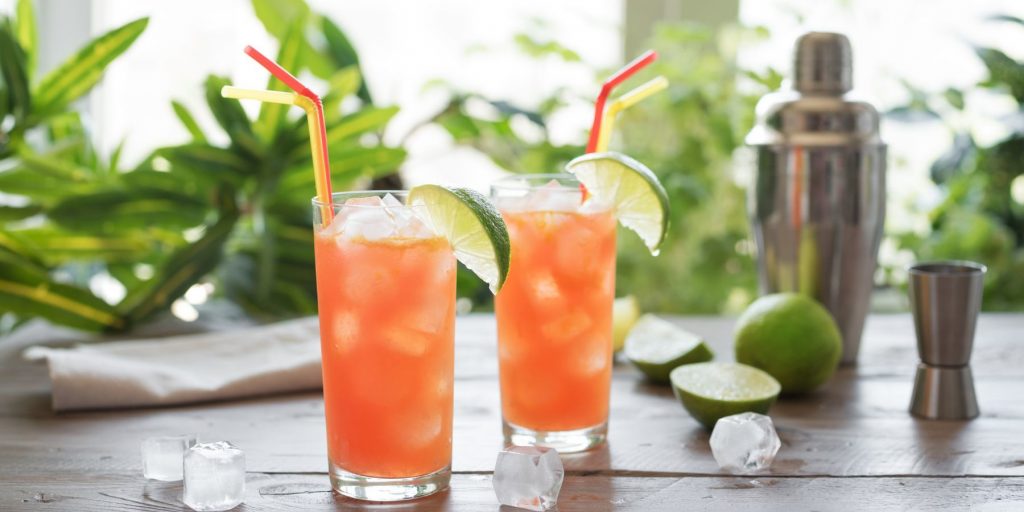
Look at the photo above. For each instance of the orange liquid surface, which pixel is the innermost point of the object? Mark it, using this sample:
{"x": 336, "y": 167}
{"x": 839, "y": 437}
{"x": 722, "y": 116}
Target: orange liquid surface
{"x": 387, "y": 331}
{"x": 555, "y": 320}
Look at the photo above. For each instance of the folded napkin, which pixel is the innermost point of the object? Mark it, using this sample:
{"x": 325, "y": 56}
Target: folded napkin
{"x": 182, "y": 369}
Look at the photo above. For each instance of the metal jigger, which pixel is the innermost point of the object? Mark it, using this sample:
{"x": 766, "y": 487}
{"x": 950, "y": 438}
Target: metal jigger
{"x": 945, "y": 298}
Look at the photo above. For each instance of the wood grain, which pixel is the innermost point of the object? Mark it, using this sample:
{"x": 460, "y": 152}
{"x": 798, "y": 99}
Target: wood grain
{"x": 848, "y": 444}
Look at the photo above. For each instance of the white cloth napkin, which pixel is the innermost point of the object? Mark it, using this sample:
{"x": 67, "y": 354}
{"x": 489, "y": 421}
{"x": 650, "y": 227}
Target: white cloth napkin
{"x": 181, "y": 369}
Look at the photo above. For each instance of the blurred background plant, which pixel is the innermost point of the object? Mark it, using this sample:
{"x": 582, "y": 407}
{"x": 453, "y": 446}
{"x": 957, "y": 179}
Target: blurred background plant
{"x": 981, "y": 212}
{"x": 95, "y": 246}
{"x": 686, "y": 135}
{"x": 92, "y": 241}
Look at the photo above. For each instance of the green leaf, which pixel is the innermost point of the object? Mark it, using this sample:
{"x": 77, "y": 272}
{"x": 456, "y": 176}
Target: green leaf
{"x": 217, "y": 162}
{"x": 14, "y": 75}
{"x": 366, "y": 120}
{"x": 342, "y": 84}
{"x": 272, "y": 115}
{"x": 1003, "y": 71}
{"x": 188, "y": 121}
{"x": 83, "y": 70}
{"x": 1007, "y": 18}
{"x": 13, "y": 213}
{"x": 535, "y": 48}
{"x": 56, "y": 247}
{"x": 341, "y": 51}
{"x": 183, "y": 269}
{"x": 26, "y": 291}
{"x": 230, "y": 115}
{"x": 26, "y": 33}
{"x": 119, "y": 210}
{"x": 954, "y": 97}
{"x": 41, "y": 188}
{"x": 278, "y": 16}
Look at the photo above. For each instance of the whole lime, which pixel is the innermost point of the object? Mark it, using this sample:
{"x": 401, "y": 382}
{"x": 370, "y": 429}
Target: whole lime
{"x": 792, "y": 337}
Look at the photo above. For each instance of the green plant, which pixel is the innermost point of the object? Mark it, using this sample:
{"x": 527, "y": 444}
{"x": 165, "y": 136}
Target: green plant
{"x": 45, "y": 158}
{"x": 981, "y": 216}
{"x": 686, "y": 135}
{"x": 238, "y": 213}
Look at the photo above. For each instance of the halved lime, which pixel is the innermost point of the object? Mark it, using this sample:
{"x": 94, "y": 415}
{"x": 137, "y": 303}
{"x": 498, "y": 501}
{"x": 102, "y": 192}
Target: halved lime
{"x": 640, "y": 201}
{"x": 625, "y": 311}
{"x": 472, "y": 225}
{"x": 710, "y": 391}
{"x": 657, "y": 347}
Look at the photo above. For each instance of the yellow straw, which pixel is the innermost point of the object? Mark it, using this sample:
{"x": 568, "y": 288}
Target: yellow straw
{"x": 306, "y": 104}
{"x": 622, "y": 103}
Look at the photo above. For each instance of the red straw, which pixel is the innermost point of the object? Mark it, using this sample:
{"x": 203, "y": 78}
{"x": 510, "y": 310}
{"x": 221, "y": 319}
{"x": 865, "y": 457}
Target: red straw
{"x": 606, "y": 89}
{"x": 294, "y": 84}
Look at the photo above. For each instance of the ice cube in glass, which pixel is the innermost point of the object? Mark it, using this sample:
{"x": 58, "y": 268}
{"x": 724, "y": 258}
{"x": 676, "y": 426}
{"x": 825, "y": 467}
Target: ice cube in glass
{"x": 744, "y": 443}
{"x": 214, "y": 476}
{"x": 528, "y": 477}
{"x": 162, "y": 456}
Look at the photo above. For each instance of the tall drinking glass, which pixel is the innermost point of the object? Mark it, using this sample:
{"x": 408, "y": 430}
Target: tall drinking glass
{"x": 387, "y": 326}
{"x": 555, "y": 313}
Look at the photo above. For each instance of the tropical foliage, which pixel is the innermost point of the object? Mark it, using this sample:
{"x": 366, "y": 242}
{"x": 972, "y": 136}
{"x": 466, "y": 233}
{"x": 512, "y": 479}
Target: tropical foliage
{"x": 235, "y": 212}
{"x": 981, "y": 215}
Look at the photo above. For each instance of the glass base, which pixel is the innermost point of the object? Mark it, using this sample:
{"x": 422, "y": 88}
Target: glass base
{"x": 565, "y": 441}
{"x": 372, "y": 488}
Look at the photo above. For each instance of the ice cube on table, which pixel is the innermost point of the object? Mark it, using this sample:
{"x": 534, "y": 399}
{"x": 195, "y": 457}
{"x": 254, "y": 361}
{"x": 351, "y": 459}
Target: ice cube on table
{"x": 528, "y": 477}
{"x": 744, "y": 443}
{"x": 214, "y": 476}
{"x": 162, "y": 456}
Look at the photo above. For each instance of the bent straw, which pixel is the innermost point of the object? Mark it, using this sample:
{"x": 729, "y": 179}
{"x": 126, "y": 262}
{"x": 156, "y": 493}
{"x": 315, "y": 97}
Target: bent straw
{"x": 622, "y": 103}
{"x": 606, "y": 89}
{"x": 321, "y": 177}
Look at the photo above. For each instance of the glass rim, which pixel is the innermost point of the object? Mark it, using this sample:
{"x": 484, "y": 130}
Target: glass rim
{"x": 338, "y": 199}
{"x": 528, "y": 182}
{"x": 947, "y": 268}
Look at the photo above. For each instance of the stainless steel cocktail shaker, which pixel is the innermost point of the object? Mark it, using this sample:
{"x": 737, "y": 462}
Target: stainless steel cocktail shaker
{"x": 817, "y": 203}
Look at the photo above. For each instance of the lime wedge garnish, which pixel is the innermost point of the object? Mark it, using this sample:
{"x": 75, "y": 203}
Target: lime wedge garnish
{"x": 657, "y": 347}
{"x": 472, "y": 226}
{"x": 710, "y": 391}
{"x": 640, "y": 201}
{"x": 625, "y": 311}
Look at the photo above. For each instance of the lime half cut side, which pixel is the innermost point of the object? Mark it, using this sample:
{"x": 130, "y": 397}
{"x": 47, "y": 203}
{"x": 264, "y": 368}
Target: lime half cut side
{"x": 656, "y": 347}
{"x": 640, "y": 201}
{"x": 472, "y": 226}
{"x": 710, "y": 391}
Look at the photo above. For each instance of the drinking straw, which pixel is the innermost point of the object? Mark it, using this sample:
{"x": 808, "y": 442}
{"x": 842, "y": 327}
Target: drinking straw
{"x": 622, "y": 103}
{"x": 321, "y": 176}
{"x": 606, "y": 89}
{"x": 314, "y": 109}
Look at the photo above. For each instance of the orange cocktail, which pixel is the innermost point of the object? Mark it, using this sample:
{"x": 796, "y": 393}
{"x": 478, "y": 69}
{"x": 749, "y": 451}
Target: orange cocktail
{"x": 386, "y": 293}
{"x": 554, "y": 314}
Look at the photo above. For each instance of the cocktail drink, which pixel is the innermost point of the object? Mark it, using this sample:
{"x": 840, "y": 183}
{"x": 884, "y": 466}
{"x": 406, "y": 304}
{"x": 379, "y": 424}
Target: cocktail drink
{"x": 385, "y": 271}
{"x": 386, "y": 293}
{"x": 554, "y": 313}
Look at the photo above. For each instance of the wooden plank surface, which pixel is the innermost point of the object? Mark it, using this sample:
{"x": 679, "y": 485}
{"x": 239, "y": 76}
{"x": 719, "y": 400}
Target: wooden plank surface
{"x": 849, "y": 442}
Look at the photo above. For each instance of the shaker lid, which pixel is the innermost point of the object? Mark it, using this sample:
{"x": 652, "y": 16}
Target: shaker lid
{"x": 816, "y": 112}
{"x": 823, "y": 63}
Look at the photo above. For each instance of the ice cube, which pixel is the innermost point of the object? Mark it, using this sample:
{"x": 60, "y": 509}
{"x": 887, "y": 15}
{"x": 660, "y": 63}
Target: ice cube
{"x": 528, "y": 477}
{"x": 745, "y": 442}
{"x": 345, "y": 335}
{"x": 546, "y": 294}
{"x": 162, "y": 456}
{"x": 368, "y": 223}
{"x": 553, "y": 197}
{"x": 214, "y": 476}
{"x": 567, "y": 326}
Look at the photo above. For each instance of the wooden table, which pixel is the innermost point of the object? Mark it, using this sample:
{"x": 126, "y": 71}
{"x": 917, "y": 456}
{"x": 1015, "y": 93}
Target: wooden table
{"x": 850, "y": 446}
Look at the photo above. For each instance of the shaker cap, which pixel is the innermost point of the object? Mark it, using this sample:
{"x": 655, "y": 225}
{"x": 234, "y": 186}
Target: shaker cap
{"x": 823, "y": 63}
